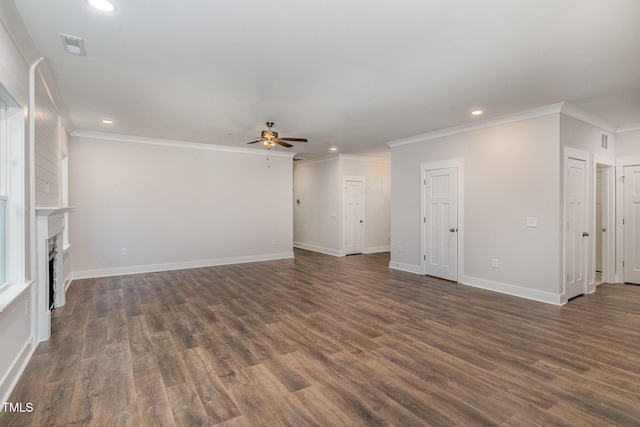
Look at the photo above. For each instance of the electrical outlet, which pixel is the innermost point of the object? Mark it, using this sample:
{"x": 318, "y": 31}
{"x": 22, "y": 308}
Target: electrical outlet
{"x": 123, "y": 251}
{"x": 532, "y": 222}
{"x": 494, "y": 263}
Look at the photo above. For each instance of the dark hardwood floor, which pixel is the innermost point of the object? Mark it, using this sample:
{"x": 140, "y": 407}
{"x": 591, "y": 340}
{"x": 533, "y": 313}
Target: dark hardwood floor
{"x": 325, "y": 341}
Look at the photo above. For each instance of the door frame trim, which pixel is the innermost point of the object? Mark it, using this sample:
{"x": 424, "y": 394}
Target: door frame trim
{"x": 345, "y": 179}
{"x": 608, "y": 264}
{"x": 444, "y": 164}
{"x": 581, "y": 155}
{"x": 621, "y": 163}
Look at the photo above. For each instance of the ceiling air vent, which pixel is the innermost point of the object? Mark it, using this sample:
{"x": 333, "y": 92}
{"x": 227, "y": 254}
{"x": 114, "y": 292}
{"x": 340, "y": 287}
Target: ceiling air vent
{"x": 604, "y": 141}
{"x": 71, "y": 44}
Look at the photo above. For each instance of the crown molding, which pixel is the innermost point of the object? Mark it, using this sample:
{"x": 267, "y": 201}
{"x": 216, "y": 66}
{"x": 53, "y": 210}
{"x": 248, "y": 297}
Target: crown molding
{"x": 363, "y": 158}
{"x": 631, "y": 127}
{"x": 174, "y": 143}
{"x": 314, "y": 161}
{"x": 587, "y": 117}
{"x": 510, "y": 118}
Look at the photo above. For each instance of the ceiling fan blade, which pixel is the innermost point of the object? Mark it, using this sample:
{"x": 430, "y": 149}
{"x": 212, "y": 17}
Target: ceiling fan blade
{"x": 295, "y": 139}
{"x": 284, "y": 144}
{"x": 253, "y": 142}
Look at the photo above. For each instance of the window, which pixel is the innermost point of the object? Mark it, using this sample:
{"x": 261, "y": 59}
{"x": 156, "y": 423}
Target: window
{"x": 4, "y": 165}
{"x": 12, "y": 191}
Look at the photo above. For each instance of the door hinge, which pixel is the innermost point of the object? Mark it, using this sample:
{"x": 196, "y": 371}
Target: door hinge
{"x": 424, "y": 257}
{"x": 622, "y": 221}
{"x": 623, "y": 263}
{"x": 424, "y": 219}
{"x": 622, "y": 178}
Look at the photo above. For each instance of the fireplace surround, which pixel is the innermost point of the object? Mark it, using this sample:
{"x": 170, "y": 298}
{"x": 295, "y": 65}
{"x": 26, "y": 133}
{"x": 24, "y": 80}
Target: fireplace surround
{"x": 50, "y": 291}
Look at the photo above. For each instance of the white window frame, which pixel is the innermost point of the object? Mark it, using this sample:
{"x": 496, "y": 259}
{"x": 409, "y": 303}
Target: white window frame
{"x": 13, "y": 194}
{"x": 4, "y": 164}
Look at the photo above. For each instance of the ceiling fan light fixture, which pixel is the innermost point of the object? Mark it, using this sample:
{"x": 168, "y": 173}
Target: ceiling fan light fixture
{"x": 103, "y": 5}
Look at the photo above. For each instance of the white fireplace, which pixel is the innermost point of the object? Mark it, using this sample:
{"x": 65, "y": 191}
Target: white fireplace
{"x": 49, "y": 284}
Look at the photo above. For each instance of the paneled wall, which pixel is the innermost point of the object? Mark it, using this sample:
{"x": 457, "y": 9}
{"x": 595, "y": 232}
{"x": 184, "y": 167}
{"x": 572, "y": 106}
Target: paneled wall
{"x": 47, "y": 158}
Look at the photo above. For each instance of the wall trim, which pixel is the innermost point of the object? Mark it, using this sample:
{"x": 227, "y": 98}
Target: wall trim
{"x": 314, "y": 161}
{"x": 510, "y": 118}
{"x": 152, "y": 268}
{"x": 630, "y": 127}
{"x": 561, "y": 107}
{"x": 621, "y": 162}
{"x": 377, "y": 249}
{"x": 179, "y": 144}
{"x": 517, "y": 291}
{"x": 320, "y": 249}
{"x": 587, "y": 117}
{"x": 409, "y": 268}
{"x": 363, "y": 158}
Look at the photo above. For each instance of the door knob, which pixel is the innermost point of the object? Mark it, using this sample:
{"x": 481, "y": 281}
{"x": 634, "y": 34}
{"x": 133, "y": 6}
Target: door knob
{"x": 453, "y": 230}
{"x": 585, "y": 234}
{"x": 361, "y": 221}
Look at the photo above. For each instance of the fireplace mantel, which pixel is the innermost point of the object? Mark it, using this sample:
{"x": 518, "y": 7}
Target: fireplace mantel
{"x": 46, "y": 211}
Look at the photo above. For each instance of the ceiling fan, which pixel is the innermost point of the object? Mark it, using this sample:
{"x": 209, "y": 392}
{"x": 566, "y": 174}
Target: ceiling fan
{"x": 269, "y": 138}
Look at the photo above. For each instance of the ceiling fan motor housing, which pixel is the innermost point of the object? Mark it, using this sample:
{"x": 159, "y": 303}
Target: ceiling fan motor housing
{"x": 269, "y": 134}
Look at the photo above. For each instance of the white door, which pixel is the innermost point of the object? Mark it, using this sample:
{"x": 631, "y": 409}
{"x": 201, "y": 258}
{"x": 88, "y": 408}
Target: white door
{"x": 632, "y": 224}
{"x": 440, "y": 223}
{"x": 353, "y": 217}
{"x": 576, "y": 234}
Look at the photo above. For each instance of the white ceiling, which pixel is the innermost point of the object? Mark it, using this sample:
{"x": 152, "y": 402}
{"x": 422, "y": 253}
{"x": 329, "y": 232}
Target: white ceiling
{"x": 354, "y": 74}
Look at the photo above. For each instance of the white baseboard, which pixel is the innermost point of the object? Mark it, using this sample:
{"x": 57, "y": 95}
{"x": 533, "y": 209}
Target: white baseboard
{"x": 410, "y": 268}
{"x": 13, "y": 374}
{"x": 320, "y": 249}
{"x": 137, "y": 269}
{"x": 517, "y": 291}
{"x": 377, "y": 249}
{"x": 503, "y": 288}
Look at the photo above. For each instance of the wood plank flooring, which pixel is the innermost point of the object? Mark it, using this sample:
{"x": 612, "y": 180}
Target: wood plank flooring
{"x": 325, "y": 341}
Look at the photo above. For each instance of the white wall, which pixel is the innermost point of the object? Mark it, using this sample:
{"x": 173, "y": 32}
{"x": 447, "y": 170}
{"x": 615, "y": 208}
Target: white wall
{"x": 628, "y": 144}
{"x": 316, "y": 218}
{"x": 511, "y": 172}
{"x": 585, "y": 136}
{"x": 175, "y": 206}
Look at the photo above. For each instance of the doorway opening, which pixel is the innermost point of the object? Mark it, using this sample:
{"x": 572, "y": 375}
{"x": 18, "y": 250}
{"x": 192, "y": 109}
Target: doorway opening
{"x": 603, "y": 226}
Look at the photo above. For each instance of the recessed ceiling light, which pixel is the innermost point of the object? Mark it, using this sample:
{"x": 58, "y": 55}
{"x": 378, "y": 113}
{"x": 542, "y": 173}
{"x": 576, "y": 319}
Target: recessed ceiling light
{"x": 333, "y": 149}
{"x": 102, "y": 5}
{"x": 477, "y": 112}
{"x": 106, "y": 122}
